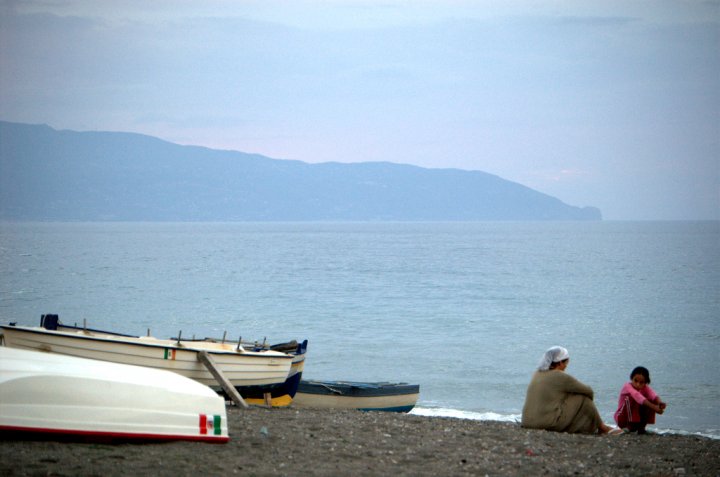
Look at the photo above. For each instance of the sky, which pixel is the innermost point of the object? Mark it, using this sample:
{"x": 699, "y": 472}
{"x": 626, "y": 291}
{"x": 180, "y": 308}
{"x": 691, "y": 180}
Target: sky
{"x": 612, "y": 104}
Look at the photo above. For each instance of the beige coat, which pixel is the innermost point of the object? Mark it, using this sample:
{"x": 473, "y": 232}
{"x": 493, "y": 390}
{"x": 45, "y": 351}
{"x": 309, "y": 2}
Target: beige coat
{"x": 558, "y": 402}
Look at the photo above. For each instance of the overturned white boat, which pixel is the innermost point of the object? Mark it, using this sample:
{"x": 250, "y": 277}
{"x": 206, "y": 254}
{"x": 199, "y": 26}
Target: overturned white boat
{"x": 61, "y": 395}
{"x": 242, "y": 368}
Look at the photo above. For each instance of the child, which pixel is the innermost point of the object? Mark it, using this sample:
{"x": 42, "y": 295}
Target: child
{"x": 638, "y": 403}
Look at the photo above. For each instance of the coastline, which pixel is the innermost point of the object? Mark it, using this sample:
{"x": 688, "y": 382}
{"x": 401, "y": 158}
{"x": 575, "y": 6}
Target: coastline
{"x": 290, "y": 441}
{"x": 515, "y": 418}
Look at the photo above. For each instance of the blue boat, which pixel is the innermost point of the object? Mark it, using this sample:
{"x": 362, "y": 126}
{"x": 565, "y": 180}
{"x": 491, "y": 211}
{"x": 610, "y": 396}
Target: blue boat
{"x": 382, "y": 396}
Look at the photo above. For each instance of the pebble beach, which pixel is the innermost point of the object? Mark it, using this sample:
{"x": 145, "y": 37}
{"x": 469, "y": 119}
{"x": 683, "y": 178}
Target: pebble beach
{"x": 294, "y": 442}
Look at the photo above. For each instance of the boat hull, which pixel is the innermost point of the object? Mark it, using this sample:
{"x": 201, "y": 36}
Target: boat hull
{"x": 283, "y": 395}
{"x": 245, "y": 368}
{"x": 390, "y": 397}
{"x": 46, "y": 393}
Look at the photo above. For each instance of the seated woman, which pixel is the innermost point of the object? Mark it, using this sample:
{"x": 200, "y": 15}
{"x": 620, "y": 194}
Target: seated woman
{"x": 556, "y": 401}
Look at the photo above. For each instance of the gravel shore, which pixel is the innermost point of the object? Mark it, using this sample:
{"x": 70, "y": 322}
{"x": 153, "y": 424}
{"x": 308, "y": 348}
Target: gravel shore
{"x": 294, "y": 442}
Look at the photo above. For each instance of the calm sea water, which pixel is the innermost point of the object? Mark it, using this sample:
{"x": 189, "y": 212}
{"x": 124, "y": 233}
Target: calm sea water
{"x": 463, "y": 309}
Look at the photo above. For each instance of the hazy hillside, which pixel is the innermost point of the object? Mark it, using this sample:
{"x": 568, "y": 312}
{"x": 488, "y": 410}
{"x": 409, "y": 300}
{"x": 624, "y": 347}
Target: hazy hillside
{"x": 47, "y": 174}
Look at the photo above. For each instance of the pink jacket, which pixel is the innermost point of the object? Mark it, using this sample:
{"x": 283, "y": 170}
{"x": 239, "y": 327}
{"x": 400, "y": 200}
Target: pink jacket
{"x": 628, "y": 391}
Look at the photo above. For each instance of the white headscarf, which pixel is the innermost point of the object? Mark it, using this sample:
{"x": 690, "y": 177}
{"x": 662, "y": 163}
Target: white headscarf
{"x": 553, "y": 355}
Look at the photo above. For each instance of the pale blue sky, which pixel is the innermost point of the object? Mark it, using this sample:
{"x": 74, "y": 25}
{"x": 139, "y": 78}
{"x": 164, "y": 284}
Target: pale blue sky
{"x": 614, "y": 104}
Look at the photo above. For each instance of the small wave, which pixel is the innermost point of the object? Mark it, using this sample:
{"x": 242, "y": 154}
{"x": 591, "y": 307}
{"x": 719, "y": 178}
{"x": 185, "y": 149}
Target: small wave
{"x": 713, "y": 434}
{"x": 515, "y": 418}
{"x": 460, "y": 414}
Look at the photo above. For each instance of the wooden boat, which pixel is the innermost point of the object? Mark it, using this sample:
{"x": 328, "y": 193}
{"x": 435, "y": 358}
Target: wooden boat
{"x": 49, "y": 393}
{"x": 277, "y": 396}
{"x": 284, "y": 394}
{"x": 243, "y": 368}
{"x": 392, "y": 397}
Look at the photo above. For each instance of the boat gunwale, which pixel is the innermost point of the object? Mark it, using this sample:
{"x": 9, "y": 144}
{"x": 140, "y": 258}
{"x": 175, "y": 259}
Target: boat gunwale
{"x": 130, "y": 340}
{"x": 121, "y": 436}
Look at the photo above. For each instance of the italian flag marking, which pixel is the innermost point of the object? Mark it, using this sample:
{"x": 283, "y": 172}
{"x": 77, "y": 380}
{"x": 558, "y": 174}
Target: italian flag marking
{"x": 169, "y": 354}
{"x": 210, "y": 424}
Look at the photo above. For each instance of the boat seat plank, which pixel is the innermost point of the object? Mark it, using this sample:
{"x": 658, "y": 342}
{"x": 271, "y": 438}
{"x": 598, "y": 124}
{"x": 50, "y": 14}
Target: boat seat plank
{"x": 209, "y": 363}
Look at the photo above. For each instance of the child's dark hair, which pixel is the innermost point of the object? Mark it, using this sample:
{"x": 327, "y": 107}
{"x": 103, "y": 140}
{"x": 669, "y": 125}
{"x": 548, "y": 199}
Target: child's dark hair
{"x": 641, "y": 370}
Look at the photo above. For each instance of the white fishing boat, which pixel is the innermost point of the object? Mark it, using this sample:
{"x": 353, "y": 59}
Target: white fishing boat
{"x": 283, "y": 395}
{"x": 50, "y": 393}
{"x": 277, "y": 396}
{"x": 382, "y": 396}
{"x": 241, "y": 367}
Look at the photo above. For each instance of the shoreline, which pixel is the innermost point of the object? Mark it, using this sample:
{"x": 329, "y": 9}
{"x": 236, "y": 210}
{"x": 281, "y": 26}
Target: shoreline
{"x": 288, "y": 441}
{"x": 515, "y": 419}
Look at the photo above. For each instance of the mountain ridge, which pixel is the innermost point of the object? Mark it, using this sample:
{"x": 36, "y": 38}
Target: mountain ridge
{"x": 62, "y": 175}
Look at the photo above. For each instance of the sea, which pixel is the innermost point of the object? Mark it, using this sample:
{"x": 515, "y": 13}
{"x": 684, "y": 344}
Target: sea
{"x": 464, "y": 309}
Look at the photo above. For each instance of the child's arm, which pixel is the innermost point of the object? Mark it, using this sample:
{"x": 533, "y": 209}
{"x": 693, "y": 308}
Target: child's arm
{"x": 658, "y": 407}
{"x": 653, "y": 401}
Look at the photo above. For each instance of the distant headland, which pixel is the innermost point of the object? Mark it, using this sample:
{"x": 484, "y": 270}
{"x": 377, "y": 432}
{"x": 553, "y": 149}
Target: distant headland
{"x": 59, "y": 175}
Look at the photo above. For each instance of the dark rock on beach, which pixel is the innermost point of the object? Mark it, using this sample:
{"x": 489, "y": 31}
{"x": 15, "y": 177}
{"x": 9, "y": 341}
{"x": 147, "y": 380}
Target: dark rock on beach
{"x": 289, "y": 442}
